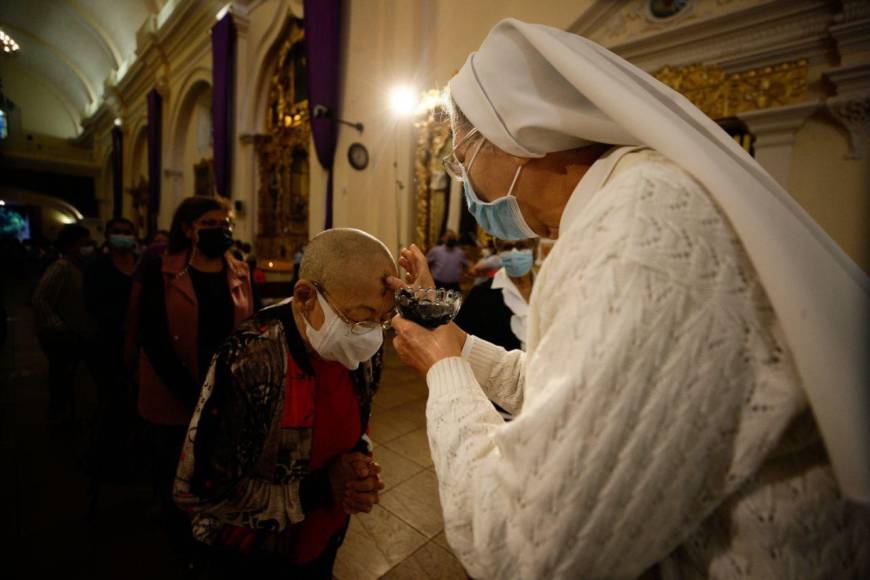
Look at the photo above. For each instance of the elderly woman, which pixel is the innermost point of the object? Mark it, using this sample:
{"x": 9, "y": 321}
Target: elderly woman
{"x": 696, "y": 371}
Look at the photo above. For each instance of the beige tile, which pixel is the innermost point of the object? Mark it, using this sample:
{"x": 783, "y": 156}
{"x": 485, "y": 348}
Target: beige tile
{"x": 413, "y": 384}
{"x": 417, "y": 406}
{"x": 375, "y": 543}
{"x": 414, "y": 446}
{"x": 393, "y": 395}
{"x": 396, "y": 468}
{"x": 416, "y": 502}
{"x": 430, "y": 561}
{"x": 389, "y": 424}
{"x": 441, "y": 540}
{"x": 414, "y": 411}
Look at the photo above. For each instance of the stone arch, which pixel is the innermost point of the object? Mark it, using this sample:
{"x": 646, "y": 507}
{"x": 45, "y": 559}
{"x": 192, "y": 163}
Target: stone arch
{"x": 190, "y": 124}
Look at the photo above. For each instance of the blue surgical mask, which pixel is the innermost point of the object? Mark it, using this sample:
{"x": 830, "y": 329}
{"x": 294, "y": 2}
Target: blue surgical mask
{"x": 517, "y": 263}
{"x": 122, "y": 241}
{"x": 501, "y": 218}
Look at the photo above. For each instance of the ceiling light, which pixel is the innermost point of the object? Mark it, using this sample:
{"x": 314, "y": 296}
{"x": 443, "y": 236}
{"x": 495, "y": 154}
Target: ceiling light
{"x": 8, "y": 43}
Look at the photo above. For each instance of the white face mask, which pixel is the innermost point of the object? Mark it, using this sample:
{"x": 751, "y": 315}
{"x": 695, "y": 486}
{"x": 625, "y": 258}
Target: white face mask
{"x": 335, "y": 341}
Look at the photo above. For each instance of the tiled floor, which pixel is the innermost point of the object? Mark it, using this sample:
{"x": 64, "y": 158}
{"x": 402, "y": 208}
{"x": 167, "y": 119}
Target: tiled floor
{"x": 403, "y": 537}
{"x": 44, "y": 521}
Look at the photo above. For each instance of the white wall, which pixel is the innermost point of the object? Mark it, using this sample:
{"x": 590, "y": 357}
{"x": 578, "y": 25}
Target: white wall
{"x": 422, "y": 44}
{"x": 833, "y": 189}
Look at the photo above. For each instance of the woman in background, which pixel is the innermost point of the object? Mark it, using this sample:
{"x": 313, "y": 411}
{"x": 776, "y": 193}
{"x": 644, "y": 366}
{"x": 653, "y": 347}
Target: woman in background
{"x": 496, "y": 310}
{"x": 186, "y": 302}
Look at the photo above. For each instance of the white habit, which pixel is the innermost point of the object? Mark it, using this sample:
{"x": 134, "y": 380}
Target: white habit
{"x": 662, "y": 421}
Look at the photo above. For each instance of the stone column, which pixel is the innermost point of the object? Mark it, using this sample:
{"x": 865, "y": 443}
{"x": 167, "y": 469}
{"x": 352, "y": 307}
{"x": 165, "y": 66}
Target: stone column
{"x": 774, "y": 131}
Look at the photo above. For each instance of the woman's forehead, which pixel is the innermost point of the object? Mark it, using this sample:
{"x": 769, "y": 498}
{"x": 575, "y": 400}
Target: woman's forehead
{"x": 215, "y": 214}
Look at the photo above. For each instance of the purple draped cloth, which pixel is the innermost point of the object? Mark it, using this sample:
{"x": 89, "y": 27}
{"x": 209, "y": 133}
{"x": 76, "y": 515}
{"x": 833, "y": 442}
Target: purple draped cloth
{"x": 117, "y": 172}
{"x": 223, "y": 50}
{"x": 155, "y": 123}
{"x": 322, "y": 42}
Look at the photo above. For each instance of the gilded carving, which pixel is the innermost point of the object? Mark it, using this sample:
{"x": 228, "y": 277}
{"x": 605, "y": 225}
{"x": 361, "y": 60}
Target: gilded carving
{"x": 282, "y": 154}
{"x": 720, "y": 95}
{"x": 433, "y": 184}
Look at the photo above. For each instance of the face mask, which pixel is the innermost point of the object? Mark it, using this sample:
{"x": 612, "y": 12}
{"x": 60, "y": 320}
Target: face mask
{"x": 213, "y": 242}
{"x": 122, "y": 241}
{"x": 501, "y": 218}
{"x": 334, "y": 341}
{"x": 517, "y": 262}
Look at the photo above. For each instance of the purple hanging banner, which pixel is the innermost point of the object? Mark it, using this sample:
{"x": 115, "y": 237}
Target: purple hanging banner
{"x": 322, "y": 24}
{"x": 117, "y": 172}
{"x": 155, "y": 122}
{"x": 223, "y": 51}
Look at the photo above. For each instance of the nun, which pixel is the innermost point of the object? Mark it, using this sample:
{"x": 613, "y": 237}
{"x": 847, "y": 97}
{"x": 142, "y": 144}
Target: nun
{"x": 694, "y": 398}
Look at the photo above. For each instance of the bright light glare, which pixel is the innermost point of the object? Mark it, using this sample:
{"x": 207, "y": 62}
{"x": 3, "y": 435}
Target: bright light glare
{"x": 2, "y": 202}
{"x": 117, "y": 121}
{"x": 65, "y": 219}
{"x": 403, "y": 101}
{"x": 222, "y": 12}
{"x": 431, "y": 100}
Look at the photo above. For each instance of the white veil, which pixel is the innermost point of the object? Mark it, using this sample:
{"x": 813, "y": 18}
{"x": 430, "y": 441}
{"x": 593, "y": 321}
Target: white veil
{"x": 532, "y": 89}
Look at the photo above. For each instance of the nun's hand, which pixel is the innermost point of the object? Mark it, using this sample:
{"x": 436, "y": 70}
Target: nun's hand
{"x": 420, "y": 348}
{"x": 417, "y": 274}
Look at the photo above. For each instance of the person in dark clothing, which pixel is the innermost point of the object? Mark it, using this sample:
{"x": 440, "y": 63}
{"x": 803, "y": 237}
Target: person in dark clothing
{"x": 157, "y": 238}
{"x": 496, "y": 310}
{"x": 108, "y": 281}
{"x": 64, "y": 327}
{"x": 447, "y": 262}
{"x": 185, "y": 302}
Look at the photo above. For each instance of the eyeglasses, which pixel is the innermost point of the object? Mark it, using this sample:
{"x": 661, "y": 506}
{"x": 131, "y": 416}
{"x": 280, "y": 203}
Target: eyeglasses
{"x": 225, "y": 223}
{"x": 361, "y": 327}
{"x": 452, "y": 165}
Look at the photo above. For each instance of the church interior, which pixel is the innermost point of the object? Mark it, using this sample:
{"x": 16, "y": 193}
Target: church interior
{"x": 124, "y": 108}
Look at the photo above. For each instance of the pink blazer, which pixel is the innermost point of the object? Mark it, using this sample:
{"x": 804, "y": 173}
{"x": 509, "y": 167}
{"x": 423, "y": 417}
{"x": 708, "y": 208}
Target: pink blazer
{"x": 157, "y": 403}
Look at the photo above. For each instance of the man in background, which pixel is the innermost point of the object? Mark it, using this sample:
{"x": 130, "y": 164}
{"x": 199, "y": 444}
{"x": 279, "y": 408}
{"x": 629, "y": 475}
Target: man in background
{"x": 108, "y": 281}
{"x": 447, "y": 262}
{"x": 64, "y": 326}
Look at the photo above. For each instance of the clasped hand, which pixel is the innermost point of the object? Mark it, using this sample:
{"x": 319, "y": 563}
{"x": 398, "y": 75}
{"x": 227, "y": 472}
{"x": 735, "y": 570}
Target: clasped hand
{"x": 356, "y": 482}
{"x": 418, "y": 347}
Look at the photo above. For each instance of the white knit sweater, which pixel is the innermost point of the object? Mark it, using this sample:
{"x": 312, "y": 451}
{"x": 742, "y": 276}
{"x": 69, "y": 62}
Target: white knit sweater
{"x": 661, "y": 424}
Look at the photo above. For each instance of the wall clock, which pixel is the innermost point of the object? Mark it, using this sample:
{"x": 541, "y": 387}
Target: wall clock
{"x": 665, "y": 9}
{"x": 358, "y": 156}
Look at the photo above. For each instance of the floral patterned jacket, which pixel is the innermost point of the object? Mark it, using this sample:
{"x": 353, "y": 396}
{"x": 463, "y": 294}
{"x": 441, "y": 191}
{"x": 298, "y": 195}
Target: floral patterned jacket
{"x": 238, "y": 466}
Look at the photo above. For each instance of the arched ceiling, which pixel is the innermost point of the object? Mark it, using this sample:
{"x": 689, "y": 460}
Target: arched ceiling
{"x": 68, "y": 49}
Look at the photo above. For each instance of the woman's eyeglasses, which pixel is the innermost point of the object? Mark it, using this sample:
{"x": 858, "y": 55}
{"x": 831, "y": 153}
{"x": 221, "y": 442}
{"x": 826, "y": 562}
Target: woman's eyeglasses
{"x": 362, "y": 327}
{"x": 452, "y": 165}
{"x": 225, "y": 223}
